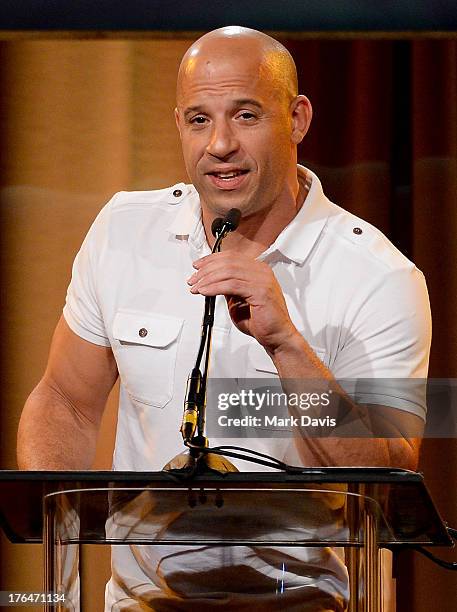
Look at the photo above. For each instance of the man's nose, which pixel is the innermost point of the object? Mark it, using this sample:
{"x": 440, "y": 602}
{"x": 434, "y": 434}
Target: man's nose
{"x": 223, "y": 140}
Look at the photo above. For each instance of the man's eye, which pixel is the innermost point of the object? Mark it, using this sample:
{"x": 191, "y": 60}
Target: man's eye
{"x": 246, "y": 115}
{"x": 199, "y": 120}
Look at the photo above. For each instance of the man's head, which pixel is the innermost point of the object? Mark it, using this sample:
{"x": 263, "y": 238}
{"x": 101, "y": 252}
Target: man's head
{"x": 240, "y": 120}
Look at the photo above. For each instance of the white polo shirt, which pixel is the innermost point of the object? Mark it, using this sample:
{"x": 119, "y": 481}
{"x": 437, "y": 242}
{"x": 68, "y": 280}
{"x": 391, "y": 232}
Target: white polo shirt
{"x": 361, "y": 305}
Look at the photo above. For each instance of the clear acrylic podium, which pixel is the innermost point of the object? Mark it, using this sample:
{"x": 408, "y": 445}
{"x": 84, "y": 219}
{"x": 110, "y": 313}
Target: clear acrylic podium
{"x": 356, "y": 511}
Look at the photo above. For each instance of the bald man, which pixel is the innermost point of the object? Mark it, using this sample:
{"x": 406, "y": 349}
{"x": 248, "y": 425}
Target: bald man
{"x": 304, "y": 291}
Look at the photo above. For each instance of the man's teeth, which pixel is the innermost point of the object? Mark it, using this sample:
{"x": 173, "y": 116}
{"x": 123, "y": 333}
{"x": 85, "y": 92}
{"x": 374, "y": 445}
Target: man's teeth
{"x": 228, "y": 175}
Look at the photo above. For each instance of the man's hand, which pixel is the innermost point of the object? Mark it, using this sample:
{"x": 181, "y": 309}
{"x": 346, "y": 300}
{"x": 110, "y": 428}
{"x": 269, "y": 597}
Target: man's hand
{"x": 255, "y": 299}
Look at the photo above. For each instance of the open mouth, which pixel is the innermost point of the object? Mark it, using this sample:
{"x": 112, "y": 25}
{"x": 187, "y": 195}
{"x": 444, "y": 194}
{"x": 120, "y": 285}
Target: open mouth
{"x": 227, "y": 180}
{"x": 226, "y": 176}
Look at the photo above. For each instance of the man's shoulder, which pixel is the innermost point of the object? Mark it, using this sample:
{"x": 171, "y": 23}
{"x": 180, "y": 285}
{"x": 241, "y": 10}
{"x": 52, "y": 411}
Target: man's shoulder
{"x": 132, "y": 216}
{"x": 166, "y": 198}
{"x": 364, "y": 241}
{"x": 349, "y": 238}
{"x": 129, "y": 212}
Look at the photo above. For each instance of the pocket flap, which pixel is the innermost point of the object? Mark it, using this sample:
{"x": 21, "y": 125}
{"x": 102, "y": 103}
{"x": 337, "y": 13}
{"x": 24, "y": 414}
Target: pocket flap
{"x": 148, "y": 328}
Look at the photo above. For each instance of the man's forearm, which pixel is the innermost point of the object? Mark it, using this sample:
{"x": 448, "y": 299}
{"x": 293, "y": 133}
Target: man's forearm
{"x": 297, "y": 363}
{"x": 54, "y": 434}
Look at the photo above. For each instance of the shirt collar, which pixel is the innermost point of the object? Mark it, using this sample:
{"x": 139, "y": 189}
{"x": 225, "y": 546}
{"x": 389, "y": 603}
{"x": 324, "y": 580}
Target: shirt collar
{"x": 296, "y": 240}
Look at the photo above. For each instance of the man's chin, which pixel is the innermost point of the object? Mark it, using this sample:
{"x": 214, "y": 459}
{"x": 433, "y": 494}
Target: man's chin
{"x": 220, "y": 204}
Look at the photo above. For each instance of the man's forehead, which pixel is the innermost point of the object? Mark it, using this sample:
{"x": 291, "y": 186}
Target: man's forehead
{"x": 210, "y": 63}
{"x": 222, "y": 75}
{"x": 250, "y": 58}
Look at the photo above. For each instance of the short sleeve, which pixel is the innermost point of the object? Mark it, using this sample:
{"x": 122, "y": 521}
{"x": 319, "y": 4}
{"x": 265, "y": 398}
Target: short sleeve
{"x": 386, "y": 351}
{"x": 82, "y": 309}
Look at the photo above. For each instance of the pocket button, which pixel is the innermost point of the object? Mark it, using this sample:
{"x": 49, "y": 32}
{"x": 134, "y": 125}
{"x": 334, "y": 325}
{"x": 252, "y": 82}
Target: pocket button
{"x": 143, "y": 332}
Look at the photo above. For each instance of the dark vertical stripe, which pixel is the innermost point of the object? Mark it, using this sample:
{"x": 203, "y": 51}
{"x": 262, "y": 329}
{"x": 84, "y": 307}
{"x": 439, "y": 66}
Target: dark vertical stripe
{"x": 401, "y": 218}
{"x": 401, "y": 226}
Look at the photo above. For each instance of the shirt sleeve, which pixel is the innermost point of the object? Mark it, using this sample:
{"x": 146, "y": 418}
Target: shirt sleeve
{"x": 384, "y": 357}
{"x": 82, "y": 309}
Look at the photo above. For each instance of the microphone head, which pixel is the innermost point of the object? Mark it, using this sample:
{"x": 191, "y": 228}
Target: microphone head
{"x": 232, "y": 219}
{"x": 216, "y": 226}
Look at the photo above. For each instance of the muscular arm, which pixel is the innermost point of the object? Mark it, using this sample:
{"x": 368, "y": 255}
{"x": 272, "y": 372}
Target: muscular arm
{"x": 257, "y": 307}
{"x": 60, "y": 420}
{"x": 296, "y": 361}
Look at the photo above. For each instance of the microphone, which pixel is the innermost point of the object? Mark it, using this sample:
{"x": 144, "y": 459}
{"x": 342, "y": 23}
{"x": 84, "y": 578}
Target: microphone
{"x": 194, "y": 404}
{"x": 191, "y": 405}
{"x": 216, "y": 226}
{"x": 221, "y": 227}
{"x": 232, "y": 219}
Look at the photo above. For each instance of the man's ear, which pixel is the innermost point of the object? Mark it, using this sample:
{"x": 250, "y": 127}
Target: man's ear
{"x": 301, "y": 114}
{"x": 177, "y": 120}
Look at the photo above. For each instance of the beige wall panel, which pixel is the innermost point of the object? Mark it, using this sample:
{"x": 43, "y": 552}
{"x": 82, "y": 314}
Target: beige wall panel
{"x": 66, "y": 107}
{"x": 80, "y": 120}
{"x": 156, "y": 159}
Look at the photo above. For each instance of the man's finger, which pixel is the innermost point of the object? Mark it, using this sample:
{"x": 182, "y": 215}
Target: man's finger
{"x": 218, "y": 273}
{"x": 198, "y": 263}
{"x": 225, "y": 287}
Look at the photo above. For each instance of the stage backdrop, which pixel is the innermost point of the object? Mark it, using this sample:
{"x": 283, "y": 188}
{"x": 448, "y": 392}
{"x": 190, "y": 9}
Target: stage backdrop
{"x": 81, "y": 119}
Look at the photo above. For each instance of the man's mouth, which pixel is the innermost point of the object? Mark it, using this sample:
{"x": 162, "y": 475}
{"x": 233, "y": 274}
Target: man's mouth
{"x": 227, "y": 180}
{"x": 228, "y": 175}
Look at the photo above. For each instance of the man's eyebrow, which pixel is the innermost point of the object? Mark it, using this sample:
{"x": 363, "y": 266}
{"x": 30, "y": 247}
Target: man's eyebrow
{"x": 248, "y": 101}
{"x": 236, "y": 103}
{"x": 192, "y": 109}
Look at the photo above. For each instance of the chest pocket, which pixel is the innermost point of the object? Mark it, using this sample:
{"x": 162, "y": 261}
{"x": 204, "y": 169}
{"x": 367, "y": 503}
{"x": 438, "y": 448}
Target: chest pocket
{"x": 145, "y": 346}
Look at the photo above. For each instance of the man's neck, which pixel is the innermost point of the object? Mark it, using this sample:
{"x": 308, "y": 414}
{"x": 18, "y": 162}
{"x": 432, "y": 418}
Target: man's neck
{"x": 256, "y": 233}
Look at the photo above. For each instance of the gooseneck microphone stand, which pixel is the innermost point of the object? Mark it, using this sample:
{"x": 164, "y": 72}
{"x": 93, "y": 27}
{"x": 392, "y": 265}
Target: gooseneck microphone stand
{"x": 193, "y": 422}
